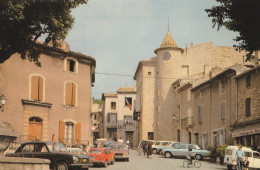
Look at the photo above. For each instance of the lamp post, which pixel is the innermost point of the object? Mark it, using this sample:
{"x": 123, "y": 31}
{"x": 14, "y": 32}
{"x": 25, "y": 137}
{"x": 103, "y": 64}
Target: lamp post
{"x": 2, "y": 102}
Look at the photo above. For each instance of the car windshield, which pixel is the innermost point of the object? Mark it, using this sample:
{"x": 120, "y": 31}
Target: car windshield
{"x": 108, "y": 144}
{"x": 256, "y": 155}
{"x": 95, "y": 151}
{"x": 175, "y": 145}
{"x": 196, "y": 147}
{"x": 229, "y": 152}
{"x": 56, "y": 147}
{"x": 248, "y": 154}
{"x": 123, "y": 147}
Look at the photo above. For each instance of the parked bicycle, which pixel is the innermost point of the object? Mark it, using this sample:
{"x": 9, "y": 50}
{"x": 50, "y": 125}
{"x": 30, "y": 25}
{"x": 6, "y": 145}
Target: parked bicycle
{"x": 187, "y": 163}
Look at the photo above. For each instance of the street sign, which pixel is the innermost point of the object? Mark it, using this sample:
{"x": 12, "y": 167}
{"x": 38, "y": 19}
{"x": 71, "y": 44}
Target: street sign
{"x": 92, "y": 128}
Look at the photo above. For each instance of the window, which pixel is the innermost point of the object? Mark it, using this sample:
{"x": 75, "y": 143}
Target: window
{"x": 71, "y": 65}
{"x": 221, "y": 87}
{"x": 196, "y": 135}
{"x": 129, "y": 99}
{"x": 248, "y": 81}
{"x": 200, "y": 114}
{"x": 215, "y": 139}
{"x": 179, "y": 110}
{"x": 37, "y": 88}
{"x": 150, "y": 135}
{"x": 201, "y": 93}
{"x": 113, "y": 105}
{"x": 69, "y": 132}
{"x": 111, "y": 117}
{"x": 28, "y": 148}
{"x": 223, "y": 110}
{"x": 95, "y": 117}
{"x": 149, "y": 73}
{"x": 248, "y": 107}
{"x": 185, "y": 70}
{"x": 128, "y": 120}
{"x": 70, "y": 94}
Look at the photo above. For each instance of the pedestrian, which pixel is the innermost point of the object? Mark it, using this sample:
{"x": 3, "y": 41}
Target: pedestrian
{"x": 150, "y": 150}
{"x": 246, "y": 163}
{"x": 239, "y": 157}
{"x": 128, "y": 143}
{"x": 143, "y": 146}
{"x": 146, "y": 147}
{"x": 120, "y": 140}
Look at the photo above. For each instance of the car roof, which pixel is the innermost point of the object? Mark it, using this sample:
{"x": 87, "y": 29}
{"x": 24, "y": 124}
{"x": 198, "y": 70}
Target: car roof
{"x": 39, "y": 142}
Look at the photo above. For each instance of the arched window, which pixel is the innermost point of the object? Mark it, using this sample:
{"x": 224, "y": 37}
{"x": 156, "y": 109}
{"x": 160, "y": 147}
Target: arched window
{"x": 70, "y": 94}
{"x": 36, "y": 88}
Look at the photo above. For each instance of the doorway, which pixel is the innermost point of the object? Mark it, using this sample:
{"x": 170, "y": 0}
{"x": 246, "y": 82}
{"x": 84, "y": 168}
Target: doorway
{"x": 129, "y": 135}
{"x": 35, "y": 129}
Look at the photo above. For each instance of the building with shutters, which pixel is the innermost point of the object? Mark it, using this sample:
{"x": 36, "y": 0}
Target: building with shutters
{"x": 157, "y": 80}
{"x": 51, "y": 100}
{"x": 118, "y": 115}
{"x": 246, "y": 129}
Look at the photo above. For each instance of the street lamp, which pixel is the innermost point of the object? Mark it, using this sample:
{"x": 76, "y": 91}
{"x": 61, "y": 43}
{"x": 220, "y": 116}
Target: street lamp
{"x": 2, "y": 101}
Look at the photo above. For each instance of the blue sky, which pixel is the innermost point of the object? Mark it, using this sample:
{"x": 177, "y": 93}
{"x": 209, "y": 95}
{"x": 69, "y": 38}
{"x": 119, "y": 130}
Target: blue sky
{"x": 120, "y": 33}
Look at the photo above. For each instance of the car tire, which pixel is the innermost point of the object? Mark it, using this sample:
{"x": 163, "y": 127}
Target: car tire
{"x": 113, "y": 162}
{"x": 154, "y": 151}
{"x": 160, "y": 152}
{"x": 168, "y": 155}
{"x": 127, "y": 159}
{"x": 198, "y": 157}
{"x": 105, "y": 164}
{"x": 61, "y": 166}
{"x": 229, "y": 167}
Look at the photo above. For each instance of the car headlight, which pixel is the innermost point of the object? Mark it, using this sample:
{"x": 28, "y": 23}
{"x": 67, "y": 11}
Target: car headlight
{"x": 75, "y": 159}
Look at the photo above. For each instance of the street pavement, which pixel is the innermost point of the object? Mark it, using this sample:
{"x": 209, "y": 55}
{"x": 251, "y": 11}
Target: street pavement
{"x": 140, "y": 162}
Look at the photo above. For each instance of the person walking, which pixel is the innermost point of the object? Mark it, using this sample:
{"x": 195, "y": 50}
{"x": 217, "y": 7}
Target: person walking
{"x": 146, "y": 147}
{"x": 143, "y": 146}
{"x": 239, "y": 157}
{"x": 150, "y": 150}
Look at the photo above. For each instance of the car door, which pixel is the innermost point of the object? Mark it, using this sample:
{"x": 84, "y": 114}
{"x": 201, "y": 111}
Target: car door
{"x": 256, "y": 160}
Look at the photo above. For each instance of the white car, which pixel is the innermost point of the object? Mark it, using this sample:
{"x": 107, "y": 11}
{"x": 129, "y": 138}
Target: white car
{"x": 159, "y": 144}
{"x": 253, "y": 157}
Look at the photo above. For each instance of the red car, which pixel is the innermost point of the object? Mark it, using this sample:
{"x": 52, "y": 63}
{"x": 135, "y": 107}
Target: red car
{"x": 102, "y": 156}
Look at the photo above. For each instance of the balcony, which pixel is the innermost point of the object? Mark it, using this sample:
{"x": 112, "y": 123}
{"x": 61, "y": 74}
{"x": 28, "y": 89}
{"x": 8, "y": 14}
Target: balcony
{"x": 187, "y": 122}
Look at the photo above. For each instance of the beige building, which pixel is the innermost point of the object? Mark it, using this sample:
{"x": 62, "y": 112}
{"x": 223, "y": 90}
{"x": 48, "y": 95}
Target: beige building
{"x": 118, "y": 115}
{"x": 214, "y": 107}
{"x": 157, "y": 82}
{"x": 96, "y": 121}
{"x": 246, "y": 128}
{"x": 53, "y": 99}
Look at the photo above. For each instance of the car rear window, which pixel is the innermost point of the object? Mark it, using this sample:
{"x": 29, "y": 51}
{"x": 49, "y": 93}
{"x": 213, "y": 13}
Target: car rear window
{"x": 248, "y": 154}
{"x": 95, "y": 151}
{"x": 229, "y": 152}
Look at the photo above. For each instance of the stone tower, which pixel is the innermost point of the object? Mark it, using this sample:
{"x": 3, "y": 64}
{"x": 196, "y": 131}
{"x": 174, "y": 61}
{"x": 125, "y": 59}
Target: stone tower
{"x": 167, "y": 71}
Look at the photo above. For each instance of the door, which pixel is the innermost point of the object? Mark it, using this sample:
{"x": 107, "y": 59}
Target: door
{"x": 35, "y": 129}
{"x": 129, "y": 136}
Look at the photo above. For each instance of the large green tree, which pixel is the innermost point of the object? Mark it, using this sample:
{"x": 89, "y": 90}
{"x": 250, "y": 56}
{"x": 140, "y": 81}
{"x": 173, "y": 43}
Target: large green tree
{"x": 22, "y": 22}
{"x": 242, "y": 16}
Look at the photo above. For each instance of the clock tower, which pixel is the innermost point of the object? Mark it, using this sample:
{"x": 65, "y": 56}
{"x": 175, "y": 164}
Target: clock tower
{"x": 167, "y": 71}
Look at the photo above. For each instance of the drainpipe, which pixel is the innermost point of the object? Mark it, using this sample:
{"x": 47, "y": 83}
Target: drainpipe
{"x": 180, "y": 114}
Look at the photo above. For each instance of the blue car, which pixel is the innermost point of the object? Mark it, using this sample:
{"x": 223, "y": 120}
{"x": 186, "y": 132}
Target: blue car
{"x": 183, "y": 151}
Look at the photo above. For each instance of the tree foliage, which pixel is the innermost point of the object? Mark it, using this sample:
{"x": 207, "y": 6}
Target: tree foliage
{"x": 22, "y": 22}
{"x": 242, "y": 16}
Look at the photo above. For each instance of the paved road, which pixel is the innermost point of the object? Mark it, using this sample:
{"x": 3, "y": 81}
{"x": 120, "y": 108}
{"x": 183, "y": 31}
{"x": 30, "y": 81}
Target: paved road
{"x": 140, "y": 162}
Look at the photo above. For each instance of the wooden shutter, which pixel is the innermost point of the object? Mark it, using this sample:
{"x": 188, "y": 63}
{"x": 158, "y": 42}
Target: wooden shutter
{"x": 223, "y": 110}
{"x": 68, "y": 95}
{"x": 248, "y": 106}
{"x": 73, "y": 90}
{"x": 68, "y": 65}
{"x": 108, "y": 117}
{"x": 78, "y": 133}
{"x": 34, "y": 87}
{"x": 40, "y": 88}
{"x": 61, "y": 131}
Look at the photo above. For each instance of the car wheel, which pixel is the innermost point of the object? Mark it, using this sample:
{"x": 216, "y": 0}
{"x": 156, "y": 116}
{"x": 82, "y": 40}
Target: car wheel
{"x": 168, "y": 155}
{"x": 154, "y": 151}
{"x": 113, "y": 162}
{"x": 160, "y": 152}
{"x": 198, "y": 157}
{"x": 105, "y": 164}
{"x": 229, "y": 167}
{"x": 127, "y": 159}
{"x": 61, "y": 166}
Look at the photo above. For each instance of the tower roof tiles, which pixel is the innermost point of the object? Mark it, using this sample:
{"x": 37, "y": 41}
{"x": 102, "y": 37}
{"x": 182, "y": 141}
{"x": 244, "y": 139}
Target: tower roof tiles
{"x": 168, "y": 41}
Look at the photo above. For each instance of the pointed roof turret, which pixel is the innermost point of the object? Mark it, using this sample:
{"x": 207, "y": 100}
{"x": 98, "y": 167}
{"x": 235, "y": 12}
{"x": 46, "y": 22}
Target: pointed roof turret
{"x": 168, "y": 41}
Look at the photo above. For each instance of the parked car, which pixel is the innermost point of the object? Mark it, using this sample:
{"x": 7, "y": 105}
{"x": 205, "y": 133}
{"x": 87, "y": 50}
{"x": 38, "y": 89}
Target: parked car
{"x": 102, "y": 156}
{"x": 76, "y": 151}
{"x": 253, "y": 157}
{"x": 56, "y": 152}
{"x": 98, "y": 141}
{"x": 183, "y": 150}
{"x": 121, "y": 151}
{"x": 106, "y": 144}
{"x": 172, "y": 145}
{"x": 159, "y": 144}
